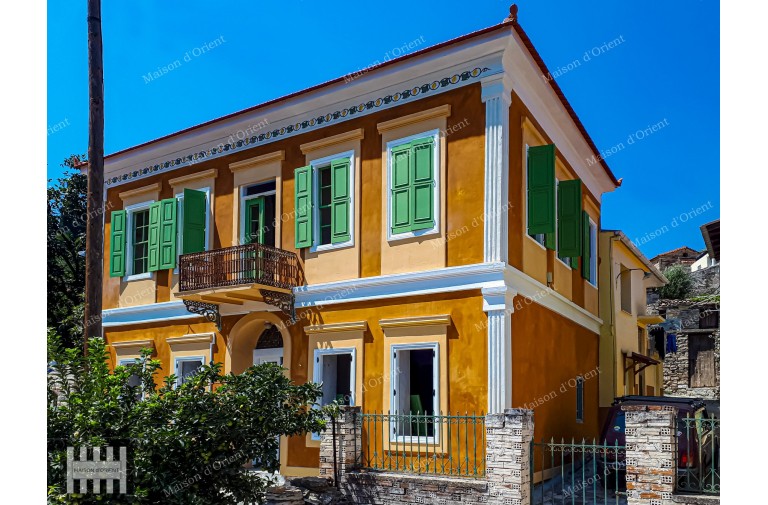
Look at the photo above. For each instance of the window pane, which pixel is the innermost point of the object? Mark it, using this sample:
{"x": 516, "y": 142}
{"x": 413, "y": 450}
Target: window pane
{"x": 324, "y": 213}
{"x": 140, "y": 241}
{"x": 336, "y": 378}
{"x": 414, "y": 392}
{"x": 187, "y": 369}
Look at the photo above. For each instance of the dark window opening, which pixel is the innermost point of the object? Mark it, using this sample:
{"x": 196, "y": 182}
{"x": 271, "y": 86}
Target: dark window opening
{"x": 140, "y": 242}
{"x": 415, "y": 391}
{"x": 324, "y": 207}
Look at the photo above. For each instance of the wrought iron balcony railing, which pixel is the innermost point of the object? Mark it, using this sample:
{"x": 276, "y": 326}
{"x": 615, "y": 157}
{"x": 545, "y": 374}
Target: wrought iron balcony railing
{"x": 239, "y": 265}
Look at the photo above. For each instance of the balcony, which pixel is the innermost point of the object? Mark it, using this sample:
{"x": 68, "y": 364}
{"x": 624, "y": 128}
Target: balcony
{"x": 236, "y": 276}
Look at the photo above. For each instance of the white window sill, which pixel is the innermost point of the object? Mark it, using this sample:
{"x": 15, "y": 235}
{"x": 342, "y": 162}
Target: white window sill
{"x": 590, "y": 283}
{"x": 413, "y": 234}
{"x": 536, "y": 242}
{"x": 138, "y": 277}
{"x": 331, "y": 247}
{"x": 403, "y": 439}
{"x": 569, "y": 267}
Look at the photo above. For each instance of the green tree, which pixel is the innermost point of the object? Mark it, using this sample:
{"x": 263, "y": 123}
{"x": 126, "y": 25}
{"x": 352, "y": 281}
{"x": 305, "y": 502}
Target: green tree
{"x": 186, "y": 444}
{"x": 679, "y": 285}
{"x": 67, "y": 217}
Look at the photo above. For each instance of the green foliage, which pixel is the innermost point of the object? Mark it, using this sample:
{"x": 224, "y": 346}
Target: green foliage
{"x": 186, "y": 444}
{"x": 680, "y": 283}
{"x": 67, "y": 216}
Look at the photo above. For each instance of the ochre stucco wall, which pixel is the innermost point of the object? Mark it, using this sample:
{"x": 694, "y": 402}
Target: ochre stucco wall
{"x": 548, "y": 353}
{"x": 465, "y": 189}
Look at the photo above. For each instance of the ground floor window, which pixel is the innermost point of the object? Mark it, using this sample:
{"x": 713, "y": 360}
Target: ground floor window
{"x": 186, "y": 367}
{"x": 415, "y": 388}
{"x": 134, "y": 380}
{"x": 335, "y": 371}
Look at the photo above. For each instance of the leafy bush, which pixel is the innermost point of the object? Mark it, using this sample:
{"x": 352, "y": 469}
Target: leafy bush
{"x": 186, "y": 444}
{"x": 680, "y": 283}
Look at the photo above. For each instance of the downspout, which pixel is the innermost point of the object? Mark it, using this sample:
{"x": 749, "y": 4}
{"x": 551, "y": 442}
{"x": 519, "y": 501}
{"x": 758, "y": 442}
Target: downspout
{"x": 613, "y": 312}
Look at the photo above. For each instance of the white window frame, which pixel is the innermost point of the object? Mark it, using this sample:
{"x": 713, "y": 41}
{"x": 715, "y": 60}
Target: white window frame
{"x": 415, "y": 346}
{"x": 180, "y": 221}
{"x": 129, "y": 212}
{"x": 315, "y": 165}
{"x": 244, "y": 199}
{"x": 435, "y": 134}
{"x": 592, "y": 253}
{"x": 131, "y": 361}
{"x": 180, "y": 359}
{"x": 534, "y": 239}
{"x": 317, "y": 371}
{"x": 557, "y": 227}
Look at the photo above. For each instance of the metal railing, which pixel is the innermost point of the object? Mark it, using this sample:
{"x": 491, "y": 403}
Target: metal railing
{"x": 698, "y": 467}
{"x": 424, "y": 443}
{"x": 577, "y": 472}
{"x": 243, "y": 264}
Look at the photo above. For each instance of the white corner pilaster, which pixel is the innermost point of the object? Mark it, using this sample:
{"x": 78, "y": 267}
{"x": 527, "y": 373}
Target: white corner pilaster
{"x": 498, "y": 304}
{"x": 497, "y": 96}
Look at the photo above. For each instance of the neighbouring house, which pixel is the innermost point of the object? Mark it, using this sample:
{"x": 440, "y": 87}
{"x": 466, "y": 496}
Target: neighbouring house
{"x": 692, "y": 328}
{"x": 692, "y": 360}
{"x": 684, "y": 256}
{"x": 629, "y": 361}
{"x": 422, "y": 238}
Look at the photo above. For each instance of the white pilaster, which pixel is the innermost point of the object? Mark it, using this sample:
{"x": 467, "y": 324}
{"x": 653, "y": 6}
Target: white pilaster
{"x": 497, "y": 96}
{"x": 498, "y": 304}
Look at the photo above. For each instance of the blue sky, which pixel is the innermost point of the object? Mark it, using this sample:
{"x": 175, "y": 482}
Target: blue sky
{"x": 663, "y": 71}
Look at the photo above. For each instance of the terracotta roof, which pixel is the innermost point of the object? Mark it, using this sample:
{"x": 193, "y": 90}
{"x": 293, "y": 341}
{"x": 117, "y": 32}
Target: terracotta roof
{"x": 711, "y": 234}
{"x": 510, "y": 21}
{"x": 674, "y": 251}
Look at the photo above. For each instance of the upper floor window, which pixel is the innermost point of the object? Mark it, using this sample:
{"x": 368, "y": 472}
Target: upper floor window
{"x": 257, "y": 214}
{"x": 140, "y": 241}
{"x": 412, "y": 185}
{"x": 324, "y": 203}
{"x": 148, "y": 236}
{"x": 625, "y": 278}
{"x": 591, "y": 264}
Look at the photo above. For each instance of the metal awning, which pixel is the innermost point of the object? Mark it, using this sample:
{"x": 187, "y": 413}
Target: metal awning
{"x": 638, "y": 360}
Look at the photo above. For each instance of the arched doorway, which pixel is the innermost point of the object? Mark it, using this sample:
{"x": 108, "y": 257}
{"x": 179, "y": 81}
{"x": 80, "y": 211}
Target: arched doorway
{"x": 269, "y": 347}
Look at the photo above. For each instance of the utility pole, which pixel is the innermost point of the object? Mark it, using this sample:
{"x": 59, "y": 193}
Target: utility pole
{"x": 94, "y": 238}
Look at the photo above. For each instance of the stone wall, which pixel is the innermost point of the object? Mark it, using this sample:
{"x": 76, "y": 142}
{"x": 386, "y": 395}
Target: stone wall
{"x": 677, "y": 370}
{"x": 706, "y": 281}
{"x": 507, "y": 479}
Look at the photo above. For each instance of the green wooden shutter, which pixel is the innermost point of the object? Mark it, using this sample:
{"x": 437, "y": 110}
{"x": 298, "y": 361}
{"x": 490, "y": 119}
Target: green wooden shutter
{"x": 193, "y": 232}
{"x": 586, "y": 246}
{"x": 400, "y": 193}
{"x": 541, "y": 189}
{"x": 153, "y": 249}
{"x": 340, "y": 201}
{"x": 117, "y": 244}
{"x": 303, "y": 203}
{"x": 569, "y": 218}
{"x": 422, "y": 184}
{"x": 167, "y": 234}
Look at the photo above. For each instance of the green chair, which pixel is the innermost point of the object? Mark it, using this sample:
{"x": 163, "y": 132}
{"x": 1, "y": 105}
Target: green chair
{"x": 418, "y": 426}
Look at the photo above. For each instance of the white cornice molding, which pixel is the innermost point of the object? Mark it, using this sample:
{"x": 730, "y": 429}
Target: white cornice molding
{"x": 356, "y": 134}
{"x": 139, "y": 191}
{"x": 543, "y": 103}
{"x": 357, "y": 326}
{"x": 194, "y": 338}
{"x": 184, "y": 179}
{"x": 498, "y": 297}
{"x": 483, "y": 52}
{"x": 397, "y": 285}
{"x": 416, "y": 117}
{"x": 154, "y": 312}
{"x": 257, "y": 160}
{"x": 133, "y": 344}
{"x": 443, "y": 320}
{"x": 537, "y": 292}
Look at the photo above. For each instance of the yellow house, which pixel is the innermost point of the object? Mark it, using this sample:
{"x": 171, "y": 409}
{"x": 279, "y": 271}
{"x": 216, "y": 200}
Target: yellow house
{"x": 423, "y": 236}
{"x": 629, "y": 363}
